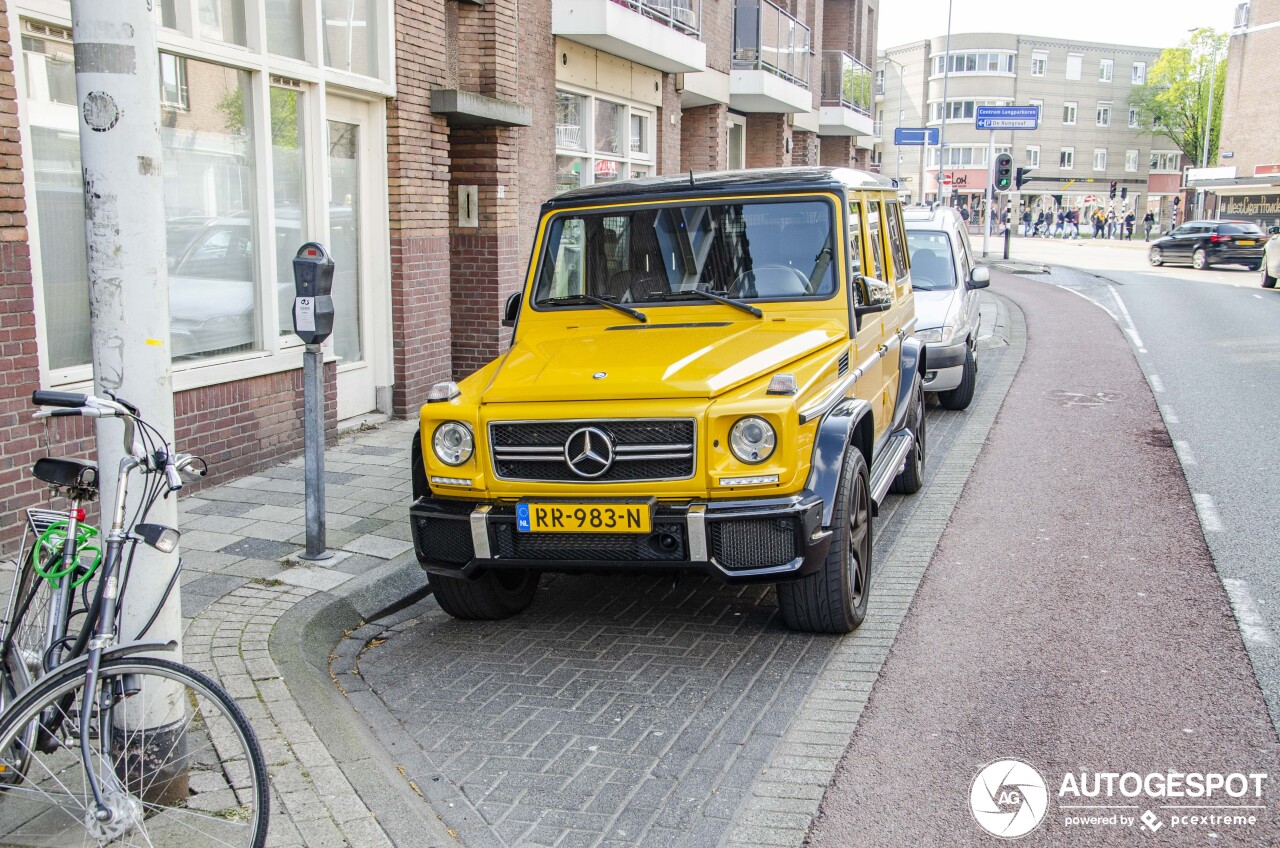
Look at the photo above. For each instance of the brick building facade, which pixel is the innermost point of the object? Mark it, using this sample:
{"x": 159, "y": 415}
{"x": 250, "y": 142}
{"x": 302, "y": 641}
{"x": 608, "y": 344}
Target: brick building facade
{"x": 417, "y": 139}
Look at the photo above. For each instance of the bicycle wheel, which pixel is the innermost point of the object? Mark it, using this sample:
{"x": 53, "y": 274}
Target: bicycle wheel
{"x": 176, "y": 760}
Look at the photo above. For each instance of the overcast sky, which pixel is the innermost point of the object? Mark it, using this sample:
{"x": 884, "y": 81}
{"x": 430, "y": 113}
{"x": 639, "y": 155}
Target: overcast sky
{"x": 1145, "y": 23}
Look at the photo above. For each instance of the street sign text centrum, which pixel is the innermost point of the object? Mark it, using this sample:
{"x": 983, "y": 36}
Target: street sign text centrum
{"x": 1007, "y": 118}
{"x": 915, "y": 136}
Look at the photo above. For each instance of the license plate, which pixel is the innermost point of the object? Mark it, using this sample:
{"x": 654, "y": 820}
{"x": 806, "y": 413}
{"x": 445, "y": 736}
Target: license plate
{"x": 1246, "y": 242}
{"x": 583, "y": 518}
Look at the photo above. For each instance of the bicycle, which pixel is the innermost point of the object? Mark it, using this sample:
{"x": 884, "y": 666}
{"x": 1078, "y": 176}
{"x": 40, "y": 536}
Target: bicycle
{"x": 138, "y": 750}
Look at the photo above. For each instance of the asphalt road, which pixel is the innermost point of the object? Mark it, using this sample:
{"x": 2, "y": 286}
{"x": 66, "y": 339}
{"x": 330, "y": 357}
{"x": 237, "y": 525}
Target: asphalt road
{"x": 1209, "y": 344}
{"x": 1071, "y": 618}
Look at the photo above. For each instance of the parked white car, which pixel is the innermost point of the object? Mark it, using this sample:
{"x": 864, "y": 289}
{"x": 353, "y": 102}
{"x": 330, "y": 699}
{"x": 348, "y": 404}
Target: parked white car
{"x": 945, "y": 279}
{"x": 1271, "y": 258}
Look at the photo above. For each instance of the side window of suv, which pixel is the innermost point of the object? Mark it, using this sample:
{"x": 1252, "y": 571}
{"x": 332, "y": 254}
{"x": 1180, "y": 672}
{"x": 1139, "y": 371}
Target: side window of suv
{"x": 897, "y": 244}
{"x": 855, "y": 238}
{"x": 873, "y": 230}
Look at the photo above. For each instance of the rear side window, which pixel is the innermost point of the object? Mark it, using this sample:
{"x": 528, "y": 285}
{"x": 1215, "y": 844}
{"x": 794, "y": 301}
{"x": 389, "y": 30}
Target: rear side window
{"x": 1240, "y": 230}
{"x": 897, "y": 247}
{"x": 873, "y": 228}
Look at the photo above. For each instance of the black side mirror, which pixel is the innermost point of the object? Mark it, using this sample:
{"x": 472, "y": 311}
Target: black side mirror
{"x": 980, "y": 277}
{"x": 871, "y": 296}
{"x": 512, "y": 310}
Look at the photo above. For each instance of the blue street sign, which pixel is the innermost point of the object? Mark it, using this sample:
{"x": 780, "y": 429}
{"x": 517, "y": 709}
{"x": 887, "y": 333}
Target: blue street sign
{"x": 915, "y": 136}
{"x": 1007, "y": 118}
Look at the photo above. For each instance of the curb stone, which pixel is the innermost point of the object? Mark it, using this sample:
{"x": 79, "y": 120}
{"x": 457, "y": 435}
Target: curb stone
{"x": 786, "y": 795}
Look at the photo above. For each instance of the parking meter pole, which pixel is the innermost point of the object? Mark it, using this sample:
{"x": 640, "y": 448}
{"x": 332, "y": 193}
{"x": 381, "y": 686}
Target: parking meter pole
{"x": 313, "y": 322}
{"x": 118, "y": 107}
{"x": 313, "y": 452}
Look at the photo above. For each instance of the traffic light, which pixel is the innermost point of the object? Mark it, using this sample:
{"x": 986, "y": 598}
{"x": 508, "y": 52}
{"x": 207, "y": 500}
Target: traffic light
{"x": 1176, "y": 200}
{"x": 1113, "y": 189}
{"x": 1004, "y": 172}
{"x": 1022, "y": 176}
{"x": 1124, "y": 192}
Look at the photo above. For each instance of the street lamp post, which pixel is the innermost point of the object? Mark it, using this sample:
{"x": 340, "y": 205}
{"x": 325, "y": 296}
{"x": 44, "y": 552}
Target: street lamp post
{"x": 897, "y": 158}
{"x": 942, "y": 129}
{"x": 1208, "y": 121}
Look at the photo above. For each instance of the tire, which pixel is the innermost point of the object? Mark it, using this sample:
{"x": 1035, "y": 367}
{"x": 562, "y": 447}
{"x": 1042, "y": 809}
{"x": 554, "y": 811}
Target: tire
{"x": 1254, "y": 266}
{"x": 959, "y": 397}
{"x": 1156, "y": 257}
{"x": 834, "y": 599}
{"x": 911, "y": 478}
{"x": 1268, "y": 281}
{"x": 494, "y": 595}
{"x": 14, "y": 679}
{"x": 198, "y": 781}
{"x": 1200, "y": 259}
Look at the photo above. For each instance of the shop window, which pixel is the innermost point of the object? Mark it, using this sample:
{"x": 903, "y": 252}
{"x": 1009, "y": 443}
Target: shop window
{"x": 289, "y": 187}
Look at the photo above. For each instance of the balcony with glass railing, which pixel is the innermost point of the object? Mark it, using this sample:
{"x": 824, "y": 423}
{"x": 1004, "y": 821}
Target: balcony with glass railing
{"x": 659, "y": 34}
{"x": 846, "y": 96}
{"x": 770, "y": 71}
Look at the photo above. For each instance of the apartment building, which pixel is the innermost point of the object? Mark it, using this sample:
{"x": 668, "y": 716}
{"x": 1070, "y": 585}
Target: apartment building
{"x": 1089, "y": 134}
{"x": 1248, "y": 185}
{"x": 417, "y": 139}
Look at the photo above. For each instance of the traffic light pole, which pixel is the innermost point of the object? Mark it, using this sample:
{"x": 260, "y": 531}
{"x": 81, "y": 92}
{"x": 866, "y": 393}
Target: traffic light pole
{"x": 991, "y": 177}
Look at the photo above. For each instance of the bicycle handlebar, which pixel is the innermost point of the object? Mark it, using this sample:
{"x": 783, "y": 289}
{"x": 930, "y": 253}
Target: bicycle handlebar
{"x": 88, "y": 406}
{"x": 72, "y": 400}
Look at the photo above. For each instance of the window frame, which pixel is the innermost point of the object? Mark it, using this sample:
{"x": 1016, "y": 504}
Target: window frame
{"x": 1067, "y": 159}
{"x": 276, "y": 352}
{"x": 1133, "y": 117}
{"x": 1074, "y": 106}
{"x": 1106, "y": 70}
{"x": 628, "y": 159}
{"x": 1138, "y": 75}
{"x": 1075, "y": 63}
{"x": 1033, "y": 161}
{"x": 1041, "y": 56}
{"x": 1131, "y": 157}
{"x": 1099, "y": 151}
{"x": 1103, "y": 111}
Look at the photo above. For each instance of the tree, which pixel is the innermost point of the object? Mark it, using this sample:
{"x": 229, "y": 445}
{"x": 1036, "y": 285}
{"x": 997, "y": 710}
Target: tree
{"x": 1175, "y": 98}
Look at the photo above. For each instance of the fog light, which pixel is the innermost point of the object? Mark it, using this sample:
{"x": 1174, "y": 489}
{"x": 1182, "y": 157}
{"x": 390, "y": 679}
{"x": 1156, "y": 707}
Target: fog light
{"x": 451, "y": 481}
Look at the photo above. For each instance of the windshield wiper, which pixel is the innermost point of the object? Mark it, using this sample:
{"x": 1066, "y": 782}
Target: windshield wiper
{"x": 587, "y": 298}
{"x": 710, "y": 295}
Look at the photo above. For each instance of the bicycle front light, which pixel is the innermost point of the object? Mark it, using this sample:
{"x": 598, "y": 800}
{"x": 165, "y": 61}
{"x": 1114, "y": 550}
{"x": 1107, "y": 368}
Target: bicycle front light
{"x": 163, "y": 539}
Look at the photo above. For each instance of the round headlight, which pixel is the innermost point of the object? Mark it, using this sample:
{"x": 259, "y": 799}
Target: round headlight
{"x": 752, "y": 440}
{"x": 453, "y": 443}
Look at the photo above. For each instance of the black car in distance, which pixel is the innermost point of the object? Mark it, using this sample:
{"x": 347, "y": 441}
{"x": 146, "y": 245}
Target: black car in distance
{"x": 1203, "y": 244}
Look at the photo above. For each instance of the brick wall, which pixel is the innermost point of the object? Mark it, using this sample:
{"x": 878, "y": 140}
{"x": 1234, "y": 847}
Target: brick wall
{"x": 766, "y": 140}
{"x": 717, "y": 33}
{"x": 704, "y": 138}
{"x": 536, "y": 144}
{"x": 669, "y": 127}
{"x": 1248, "y": 106}
{"x": 418, "y": 188}
{"x": 836, "y": 151}
{"x": 804, "y": 148}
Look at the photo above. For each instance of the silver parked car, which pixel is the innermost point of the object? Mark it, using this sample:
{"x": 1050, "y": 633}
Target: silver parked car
{"x": 945, "y": 278}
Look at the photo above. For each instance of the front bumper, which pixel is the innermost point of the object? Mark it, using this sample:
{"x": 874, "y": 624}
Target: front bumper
{"x": 944, "y": 366}
{"x": 764, "y": 540}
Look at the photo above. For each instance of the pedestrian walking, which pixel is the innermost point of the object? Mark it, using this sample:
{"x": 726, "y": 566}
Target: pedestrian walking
{"x": 1073, "y": 218}
{"x": 1111, "y": 224}
{"x": 1026, "y": 222}
{"x": 1128, "y": 226}
{"x": 1097, "y": 223}
{"x": 1062, "y": 217}
{"x": 964, "y": 214}
{"x": 1149, "y": 224}
{"x": 1039, "y": 223}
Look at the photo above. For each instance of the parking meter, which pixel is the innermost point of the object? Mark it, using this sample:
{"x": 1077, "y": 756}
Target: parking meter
{"x": 313, "y": 290}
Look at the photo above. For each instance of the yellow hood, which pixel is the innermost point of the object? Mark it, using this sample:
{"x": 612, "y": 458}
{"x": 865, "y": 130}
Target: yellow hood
{"x": 703, "y": 359}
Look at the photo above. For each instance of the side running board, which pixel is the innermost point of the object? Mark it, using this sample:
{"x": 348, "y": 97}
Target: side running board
{"x": 890, "y": 463}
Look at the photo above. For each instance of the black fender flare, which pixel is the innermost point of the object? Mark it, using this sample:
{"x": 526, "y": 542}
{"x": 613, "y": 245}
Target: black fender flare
{"x": 418, "y": 468}
{"x": 911, "y": 365}
{"x": 837, "y": 430}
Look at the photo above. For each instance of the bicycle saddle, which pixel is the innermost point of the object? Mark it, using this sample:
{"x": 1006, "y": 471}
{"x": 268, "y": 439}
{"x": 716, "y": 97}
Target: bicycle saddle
{"x": 70, "y": 473}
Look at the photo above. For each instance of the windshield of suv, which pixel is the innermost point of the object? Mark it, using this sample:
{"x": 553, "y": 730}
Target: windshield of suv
{"x": 754, "y": 250}
{"x": 932, "y": 265}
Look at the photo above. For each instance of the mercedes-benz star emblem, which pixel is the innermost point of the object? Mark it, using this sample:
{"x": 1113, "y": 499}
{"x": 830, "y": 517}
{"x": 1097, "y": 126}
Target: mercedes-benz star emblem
{"x": 599, "y": 375}
{"x": 589, "y": 451}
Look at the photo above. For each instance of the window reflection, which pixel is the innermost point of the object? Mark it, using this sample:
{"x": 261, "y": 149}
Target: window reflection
{"x": 290, "y": 187}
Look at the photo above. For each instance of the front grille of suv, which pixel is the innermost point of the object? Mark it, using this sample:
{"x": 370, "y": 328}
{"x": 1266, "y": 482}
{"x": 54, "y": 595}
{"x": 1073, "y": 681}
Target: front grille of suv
{"x": 644, "y": 450}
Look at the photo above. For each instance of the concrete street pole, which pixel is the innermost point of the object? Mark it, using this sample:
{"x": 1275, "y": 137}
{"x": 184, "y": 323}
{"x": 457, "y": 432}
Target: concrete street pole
{"x": 991, "y": 176}
{"x": 942, "y": 128}
{"x": 1208, "y": 126}
{"x": 118, "y": 99}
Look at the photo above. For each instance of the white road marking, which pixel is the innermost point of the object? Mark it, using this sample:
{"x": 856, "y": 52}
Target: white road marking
{"x": 1096, "y": 303}
{"x": 1253, "y": 627}
{"x": 1184, "y": 452}
{"x": 1156, "y": 383}
{"x": 1128, "y": 319}
{"x": 1169, "y": 416}
{"x": 1209, "y": 518}
{"x": 1258, "y": 296}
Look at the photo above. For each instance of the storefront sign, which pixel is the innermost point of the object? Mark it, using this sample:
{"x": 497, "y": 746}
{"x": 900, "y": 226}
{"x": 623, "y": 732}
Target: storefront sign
{"x": 1263, "y": 170}
{"x": 1261, "y": 208}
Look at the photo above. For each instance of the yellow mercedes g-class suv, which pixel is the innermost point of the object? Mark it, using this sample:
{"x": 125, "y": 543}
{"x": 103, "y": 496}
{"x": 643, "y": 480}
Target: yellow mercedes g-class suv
{"x": 709, "y": 372}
